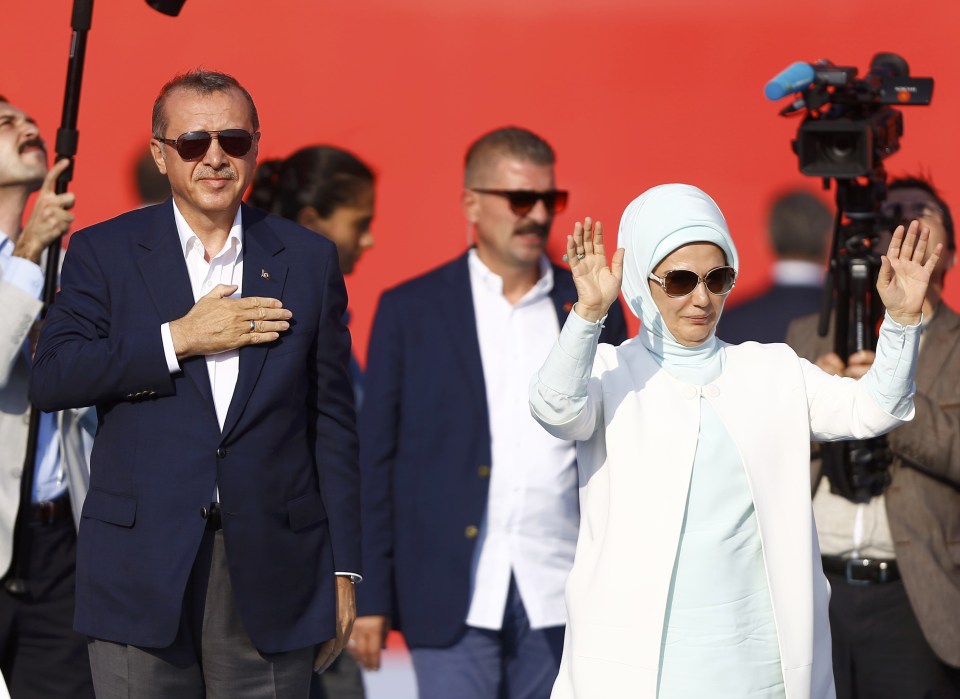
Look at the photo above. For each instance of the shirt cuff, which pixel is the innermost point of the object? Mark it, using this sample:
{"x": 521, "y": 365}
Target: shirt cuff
{"x": 890, "y": 379}
{"x": 23, "y": 274}
{"x": 168, "y": 351}
{"x": 354, "y": 578}
{"x": 567, "y": 369}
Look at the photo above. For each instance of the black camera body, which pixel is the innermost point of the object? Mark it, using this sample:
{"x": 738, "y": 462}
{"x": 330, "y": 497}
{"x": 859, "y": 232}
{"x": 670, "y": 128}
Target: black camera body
{"x": 850, "y": 126}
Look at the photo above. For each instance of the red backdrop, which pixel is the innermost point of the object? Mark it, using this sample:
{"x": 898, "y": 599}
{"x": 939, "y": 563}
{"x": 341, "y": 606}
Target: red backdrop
{"x": 630, "y": 93}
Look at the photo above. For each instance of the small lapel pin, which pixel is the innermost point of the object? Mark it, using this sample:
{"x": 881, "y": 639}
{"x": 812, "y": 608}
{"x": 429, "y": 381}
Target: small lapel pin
{"x": 264, "y": 274}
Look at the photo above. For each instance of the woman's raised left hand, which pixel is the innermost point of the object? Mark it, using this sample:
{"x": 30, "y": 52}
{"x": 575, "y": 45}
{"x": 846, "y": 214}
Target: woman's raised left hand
{"x": 904, "y": 277}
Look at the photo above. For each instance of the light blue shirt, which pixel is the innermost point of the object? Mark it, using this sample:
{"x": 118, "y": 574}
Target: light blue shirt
{"x": 49, "y": 482}
{"x": 719, "y": 634}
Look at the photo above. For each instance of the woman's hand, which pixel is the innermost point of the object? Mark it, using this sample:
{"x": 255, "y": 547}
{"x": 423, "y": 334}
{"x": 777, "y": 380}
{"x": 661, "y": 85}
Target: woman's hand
{"x": 598, "y": 285}
{"x": 903, "y": 279}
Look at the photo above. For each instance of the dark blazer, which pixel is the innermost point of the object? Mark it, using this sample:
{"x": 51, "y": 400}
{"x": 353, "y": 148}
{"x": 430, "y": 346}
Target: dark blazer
{"x": 425, "y": 450}
{"x": 923, "y": 498}
{"x": 286, "y": 460}
{"x": 765, "y": 318}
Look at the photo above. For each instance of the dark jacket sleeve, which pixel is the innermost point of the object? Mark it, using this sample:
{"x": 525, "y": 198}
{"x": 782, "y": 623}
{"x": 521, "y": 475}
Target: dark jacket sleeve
{"x": 334, "y": 418}
{"x": 378, "y": 447}
{"x": 80, "y": 359}
{"x": 615, "y": 327}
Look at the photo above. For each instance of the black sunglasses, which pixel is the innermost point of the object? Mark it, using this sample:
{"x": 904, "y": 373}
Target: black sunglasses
{"x": 680, "y": 282}
{"x": 194, "y": 144}
{"x": 522, "y": 201}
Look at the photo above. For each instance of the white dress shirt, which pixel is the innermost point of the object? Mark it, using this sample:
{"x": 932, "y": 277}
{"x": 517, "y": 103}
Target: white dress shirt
{"x": 532, "y": 519}
{"x": 226, "y": 267}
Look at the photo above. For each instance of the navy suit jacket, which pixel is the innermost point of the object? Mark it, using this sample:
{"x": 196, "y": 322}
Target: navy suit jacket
{"x": 286, "y": 460}
{"x": 766, "y": 317}
{"x": 425, "y": 450}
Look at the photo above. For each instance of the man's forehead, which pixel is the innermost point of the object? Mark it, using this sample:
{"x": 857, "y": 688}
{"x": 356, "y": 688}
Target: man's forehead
{"x": 185, "y": 103}
{"x": 910, "y": 194}
{"x": 7, "y": 108}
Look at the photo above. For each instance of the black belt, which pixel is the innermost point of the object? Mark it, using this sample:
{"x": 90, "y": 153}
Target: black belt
{"x": 862, "y": 571}
{"x": 50, "y": 511}
{"x": 212, "y": 515}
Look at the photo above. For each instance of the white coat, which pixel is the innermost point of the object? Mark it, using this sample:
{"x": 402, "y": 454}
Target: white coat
{"x": 637, "y": 437}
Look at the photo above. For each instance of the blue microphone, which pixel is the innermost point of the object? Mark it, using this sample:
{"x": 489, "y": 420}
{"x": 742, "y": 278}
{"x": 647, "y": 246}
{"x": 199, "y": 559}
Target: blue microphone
{"x": 793, "y": 79}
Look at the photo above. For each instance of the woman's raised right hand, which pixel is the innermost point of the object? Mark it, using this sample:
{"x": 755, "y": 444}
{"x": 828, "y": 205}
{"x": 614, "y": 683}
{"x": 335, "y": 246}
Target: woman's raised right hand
{"x": 598, "y": 284}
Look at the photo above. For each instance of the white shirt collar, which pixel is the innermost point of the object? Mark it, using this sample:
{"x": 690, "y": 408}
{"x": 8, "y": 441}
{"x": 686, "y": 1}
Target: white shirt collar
{"x": 798, "y": 273}
{"x": 188, "y": 238}
{"x": 493, "y": 282}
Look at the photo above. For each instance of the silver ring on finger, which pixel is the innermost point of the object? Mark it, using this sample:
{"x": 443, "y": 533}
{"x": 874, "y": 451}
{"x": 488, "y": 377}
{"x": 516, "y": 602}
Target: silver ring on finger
{"x": 580, "y": 256}
{"x": 253, "y": 326}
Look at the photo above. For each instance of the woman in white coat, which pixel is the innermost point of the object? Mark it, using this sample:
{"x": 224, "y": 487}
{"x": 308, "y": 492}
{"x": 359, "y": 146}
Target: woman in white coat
{"x": 697, "y": 571}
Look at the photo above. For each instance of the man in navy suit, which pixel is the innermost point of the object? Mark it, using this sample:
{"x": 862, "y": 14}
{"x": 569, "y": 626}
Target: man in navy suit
{"x": 800, "y": 228}
{"x": 220, "y": 536}
{"x": 470, "y": 514}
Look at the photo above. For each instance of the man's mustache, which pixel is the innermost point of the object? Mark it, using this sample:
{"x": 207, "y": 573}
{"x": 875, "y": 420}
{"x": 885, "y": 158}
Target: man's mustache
{"x": 208, "y": 173}
{"x": 539, "y": 229}
{"x": 33, "y": 143}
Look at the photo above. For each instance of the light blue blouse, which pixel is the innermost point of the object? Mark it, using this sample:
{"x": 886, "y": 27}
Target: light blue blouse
{"x": 719, "y": 635}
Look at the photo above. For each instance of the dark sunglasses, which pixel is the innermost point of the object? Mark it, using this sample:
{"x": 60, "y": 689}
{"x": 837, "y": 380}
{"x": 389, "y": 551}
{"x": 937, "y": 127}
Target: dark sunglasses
{"x": 194, "y": 144}
{"x": 522, "y": 201}
{"x": 680, "y": 282}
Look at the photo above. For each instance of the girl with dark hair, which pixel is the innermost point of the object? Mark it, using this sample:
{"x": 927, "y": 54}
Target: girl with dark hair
{"x": 325, "y": 189}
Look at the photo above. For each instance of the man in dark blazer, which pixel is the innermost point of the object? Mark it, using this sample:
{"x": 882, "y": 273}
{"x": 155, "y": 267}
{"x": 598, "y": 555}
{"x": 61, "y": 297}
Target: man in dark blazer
{"x": 220, "y": 535}
{"x": 893, "y": 562}
{"x": 799, "y": 227}
{"x": 470, "y": 516}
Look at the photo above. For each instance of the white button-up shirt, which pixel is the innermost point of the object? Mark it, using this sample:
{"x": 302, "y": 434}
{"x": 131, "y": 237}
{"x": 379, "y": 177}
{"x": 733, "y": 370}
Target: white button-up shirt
{"x": 226, "y": 267}
{"x": 533, "y": 513}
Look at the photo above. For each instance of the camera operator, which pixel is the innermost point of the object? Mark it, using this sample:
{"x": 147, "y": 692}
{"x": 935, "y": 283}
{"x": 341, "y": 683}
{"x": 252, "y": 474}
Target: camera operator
{"x": 894, "y": 562}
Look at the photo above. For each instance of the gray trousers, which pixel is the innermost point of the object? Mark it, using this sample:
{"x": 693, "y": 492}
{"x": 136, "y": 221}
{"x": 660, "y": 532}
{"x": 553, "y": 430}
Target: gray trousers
{"x": 212, "y": 656}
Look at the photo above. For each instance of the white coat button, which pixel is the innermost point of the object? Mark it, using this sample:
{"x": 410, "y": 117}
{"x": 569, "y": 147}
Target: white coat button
{"x": 690, "y": 392}
{"x": 711, "y": 391}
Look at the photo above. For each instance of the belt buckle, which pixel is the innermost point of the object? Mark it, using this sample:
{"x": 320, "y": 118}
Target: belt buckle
{"x": 44, "y": 512}
{"x": 852, "y": 565}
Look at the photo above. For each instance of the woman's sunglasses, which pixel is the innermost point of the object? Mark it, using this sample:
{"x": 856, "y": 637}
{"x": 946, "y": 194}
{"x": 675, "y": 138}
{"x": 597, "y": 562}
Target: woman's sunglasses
{"x": 193, "y": 145}
{"x": 522, "y": 201}
{"x": 681, "y": 282}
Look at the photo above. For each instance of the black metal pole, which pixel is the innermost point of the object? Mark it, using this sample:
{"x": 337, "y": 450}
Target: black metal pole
{"x": 67, "y": 138}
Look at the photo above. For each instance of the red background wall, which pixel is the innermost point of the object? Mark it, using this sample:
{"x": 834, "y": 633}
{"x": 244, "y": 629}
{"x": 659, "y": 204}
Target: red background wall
{"x": 631, "y": 94}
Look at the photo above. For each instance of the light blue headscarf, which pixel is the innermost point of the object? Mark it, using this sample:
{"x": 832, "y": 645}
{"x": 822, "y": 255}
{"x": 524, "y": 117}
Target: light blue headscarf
{"x": 653, "y": 225}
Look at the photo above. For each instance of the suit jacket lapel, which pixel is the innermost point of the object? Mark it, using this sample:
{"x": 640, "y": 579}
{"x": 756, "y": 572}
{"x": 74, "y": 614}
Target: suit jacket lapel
{"x": 165, "y": 273}
{"x": 264, "y": 274}
{"x": 460, "y": 319}
{"x": 939, "y": 341}
{"x": 563, "y": 293}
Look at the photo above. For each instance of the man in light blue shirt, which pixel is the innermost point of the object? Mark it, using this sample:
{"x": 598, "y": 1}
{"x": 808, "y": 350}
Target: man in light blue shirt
{"x": 40, "y": 654}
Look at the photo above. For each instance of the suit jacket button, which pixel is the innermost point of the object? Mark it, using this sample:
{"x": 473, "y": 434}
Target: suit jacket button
{"x": 471, "y": 532}
{"x": 483, "y": 471}
{"x": 16, "y": 472}
{"x": 221, "y": 453}
{"x": 204, "y": 512}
